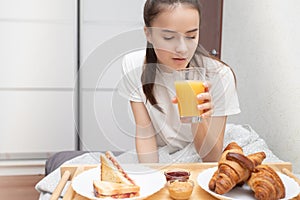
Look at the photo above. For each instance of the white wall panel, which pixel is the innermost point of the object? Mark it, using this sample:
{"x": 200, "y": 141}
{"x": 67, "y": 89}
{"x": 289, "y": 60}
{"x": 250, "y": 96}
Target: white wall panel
{"x": 261, "y": 43}
{"x": 36, "y": 121}
{"x": 37, "y": 9}
{"x": 37, "y": 55}
{"x": 106, "y": 122}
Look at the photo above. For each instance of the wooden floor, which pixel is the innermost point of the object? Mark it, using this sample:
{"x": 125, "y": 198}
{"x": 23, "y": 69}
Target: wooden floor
{"x": 19, "y": 187}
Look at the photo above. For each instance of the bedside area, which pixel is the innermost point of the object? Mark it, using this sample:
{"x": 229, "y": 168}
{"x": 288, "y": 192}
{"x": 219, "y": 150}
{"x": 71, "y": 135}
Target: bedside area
{"x": 19, "y": 177}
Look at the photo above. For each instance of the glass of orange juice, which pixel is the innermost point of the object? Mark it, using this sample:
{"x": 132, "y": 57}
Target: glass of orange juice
{"x": 188, "y": 84}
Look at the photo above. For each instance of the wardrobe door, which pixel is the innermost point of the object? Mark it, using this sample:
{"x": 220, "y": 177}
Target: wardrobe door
{"x": 37, "y": 73}
{"x": 211, "y": 25}
{"x": 107, "y": 33}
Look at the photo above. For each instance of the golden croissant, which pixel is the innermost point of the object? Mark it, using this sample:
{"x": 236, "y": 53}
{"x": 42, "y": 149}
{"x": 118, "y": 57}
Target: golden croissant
{"x": 266, "y": 184}
{"x": 234, "y": 168}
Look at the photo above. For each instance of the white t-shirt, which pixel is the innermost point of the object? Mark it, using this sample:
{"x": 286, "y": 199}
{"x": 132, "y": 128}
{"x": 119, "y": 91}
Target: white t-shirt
{"x": 170, "y": 131}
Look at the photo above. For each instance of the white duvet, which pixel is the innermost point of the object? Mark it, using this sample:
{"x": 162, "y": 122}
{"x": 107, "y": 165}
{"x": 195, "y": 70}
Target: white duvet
{"x": 244, "y": 135}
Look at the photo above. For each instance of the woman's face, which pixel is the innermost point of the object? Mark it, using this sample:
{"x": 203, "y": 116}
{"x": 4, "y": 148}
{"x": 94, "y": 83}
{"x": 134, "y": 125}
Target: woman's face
{"x": 174, "y": 34}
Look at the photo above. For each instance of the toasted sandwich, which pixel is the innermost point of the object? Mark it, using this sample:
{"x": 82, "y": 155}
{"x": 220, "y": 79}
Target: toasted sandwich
{"x": 105, "y": 189}
{"x": 114, "y": 181}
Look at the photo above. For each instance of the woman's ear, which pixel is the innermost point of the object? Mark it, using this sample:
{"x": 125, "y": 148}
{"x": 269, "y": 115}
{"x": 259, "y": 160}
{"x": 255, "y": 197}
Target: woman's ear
{"x": 147, "y": 32}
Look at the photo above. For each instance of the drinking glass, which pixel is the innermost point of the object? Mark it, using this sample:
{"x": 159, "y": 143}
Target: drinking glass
{"x": 188, "y": 84}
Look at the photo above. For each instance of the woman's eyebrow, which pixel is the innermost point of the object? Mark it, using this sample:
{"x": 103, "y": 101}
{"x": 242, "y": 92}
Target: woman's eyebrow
{"x": 170, "y": 31}
{"x": 193, "y": 30}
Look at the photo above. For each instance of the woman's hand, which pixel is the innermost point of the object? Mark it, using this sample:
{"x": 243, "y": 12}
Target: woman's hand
{"x": 207, "y": 106}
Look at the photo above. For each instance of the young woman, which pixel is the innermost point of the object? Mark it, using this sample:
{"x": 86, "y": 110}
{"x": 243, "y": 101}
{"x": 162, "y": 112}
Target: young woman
{"x": 172, "y": 32}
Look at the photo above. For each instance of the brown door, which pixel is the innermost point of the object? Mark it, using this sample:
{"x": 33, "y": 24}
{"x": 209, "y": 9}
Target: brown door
{"x": 211, "y": 25}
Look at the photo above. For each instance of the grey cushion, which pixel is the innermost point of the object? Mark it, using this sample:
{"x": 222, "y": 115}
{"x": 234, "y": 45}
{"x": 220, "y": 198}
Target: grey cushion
{"x": 59, "y": 158}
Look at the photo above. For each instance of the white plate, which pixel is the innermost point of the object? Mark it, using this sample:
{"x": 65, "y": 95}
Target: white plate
{"x": 292, "y": 189}
{"x": 149, "y": 180}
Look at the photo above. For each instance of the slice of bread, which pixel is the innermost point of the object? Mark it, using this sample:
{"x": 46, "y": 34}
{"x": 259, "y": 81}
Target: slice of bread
{"x": 110, "y": 172}
{"x": 115, "y": 190}
{"x": 114, "y": 181}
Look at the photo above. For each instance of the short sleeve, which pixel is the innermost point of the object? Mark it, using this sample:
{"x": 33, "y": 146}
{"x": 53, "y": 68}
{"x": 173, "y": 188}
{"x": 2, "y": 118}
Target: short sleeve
{"x": 223, "y": 91}
{"x": 130, "y": 85}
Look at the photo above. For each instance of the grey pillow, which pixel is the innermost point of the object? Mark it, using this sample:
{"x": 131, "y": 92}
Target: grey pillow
{"x": 57, "y": 159}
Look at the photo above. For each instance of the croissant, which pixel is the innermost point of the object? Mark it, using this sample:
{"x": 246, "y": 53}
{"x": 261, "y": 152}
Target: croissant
{"x": 234, "y": 168}
{"x": 266, "y": 184}
{"x": 257, "y": 158}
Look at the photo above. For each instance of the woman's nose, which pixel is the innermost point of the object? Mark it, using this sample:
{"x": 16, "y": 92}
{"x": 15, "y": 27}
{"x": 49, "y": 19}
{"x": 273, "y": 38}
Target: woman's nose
{"x": 181, "y": 46}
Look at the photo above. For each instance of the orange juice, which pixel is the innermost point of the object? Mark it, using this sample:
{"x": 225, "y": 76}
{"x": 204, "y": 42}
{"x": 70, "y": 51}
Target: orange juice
{"x": 186, "y": 91}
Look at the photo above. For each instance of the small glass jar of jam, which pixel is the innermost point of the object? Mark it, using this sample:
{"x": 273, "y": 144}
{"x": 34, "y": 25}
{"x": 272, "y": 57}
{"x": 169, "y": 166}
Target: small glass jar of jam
{"x": 177, "y": 174}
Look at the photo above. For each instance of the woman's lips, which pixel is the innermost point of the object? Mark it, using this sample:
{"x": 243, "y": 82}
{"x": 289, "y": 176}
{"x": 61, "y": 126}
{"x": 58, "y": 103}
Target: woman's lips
{"x": 179, "y": 59}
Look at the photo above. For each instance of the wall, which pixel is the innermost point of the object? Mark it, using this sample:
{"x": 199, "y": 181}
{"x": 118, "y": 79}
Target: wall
{"x": 261, "y": 43}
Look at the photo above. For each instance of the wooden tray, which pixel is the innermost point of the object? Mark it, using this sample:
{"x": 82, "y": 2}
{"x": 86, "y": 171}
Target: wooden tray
{"x": 194, "y": 168}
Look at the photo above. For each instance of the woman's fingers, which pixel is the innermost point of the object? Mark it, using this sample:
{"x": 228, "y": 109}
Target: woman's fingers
{"x": 174, "y": 100}
{"x": 205, "y": 96}
{"x": 207, "y": 86}
{"x": 207, "y": 106}
{"x": 207, "y": 114}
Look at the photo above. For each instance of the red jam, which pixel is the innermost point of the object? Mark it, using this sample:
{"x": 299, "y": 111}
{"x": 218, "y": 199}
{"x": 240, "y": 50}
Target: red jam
{"x": 178, "y": 174}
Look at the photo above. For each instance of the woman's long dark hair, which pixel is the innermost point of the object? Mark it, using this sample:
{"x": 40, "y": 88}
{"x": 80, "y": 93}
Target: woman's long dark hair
{"x": 151, "y": 9}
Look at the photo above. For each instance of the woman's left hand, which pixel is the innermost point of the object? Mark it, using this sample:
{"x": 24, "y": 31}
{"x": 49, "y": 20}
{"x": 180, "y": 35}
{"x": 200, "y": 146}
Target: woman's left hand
{"x": 207, "y": 106}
